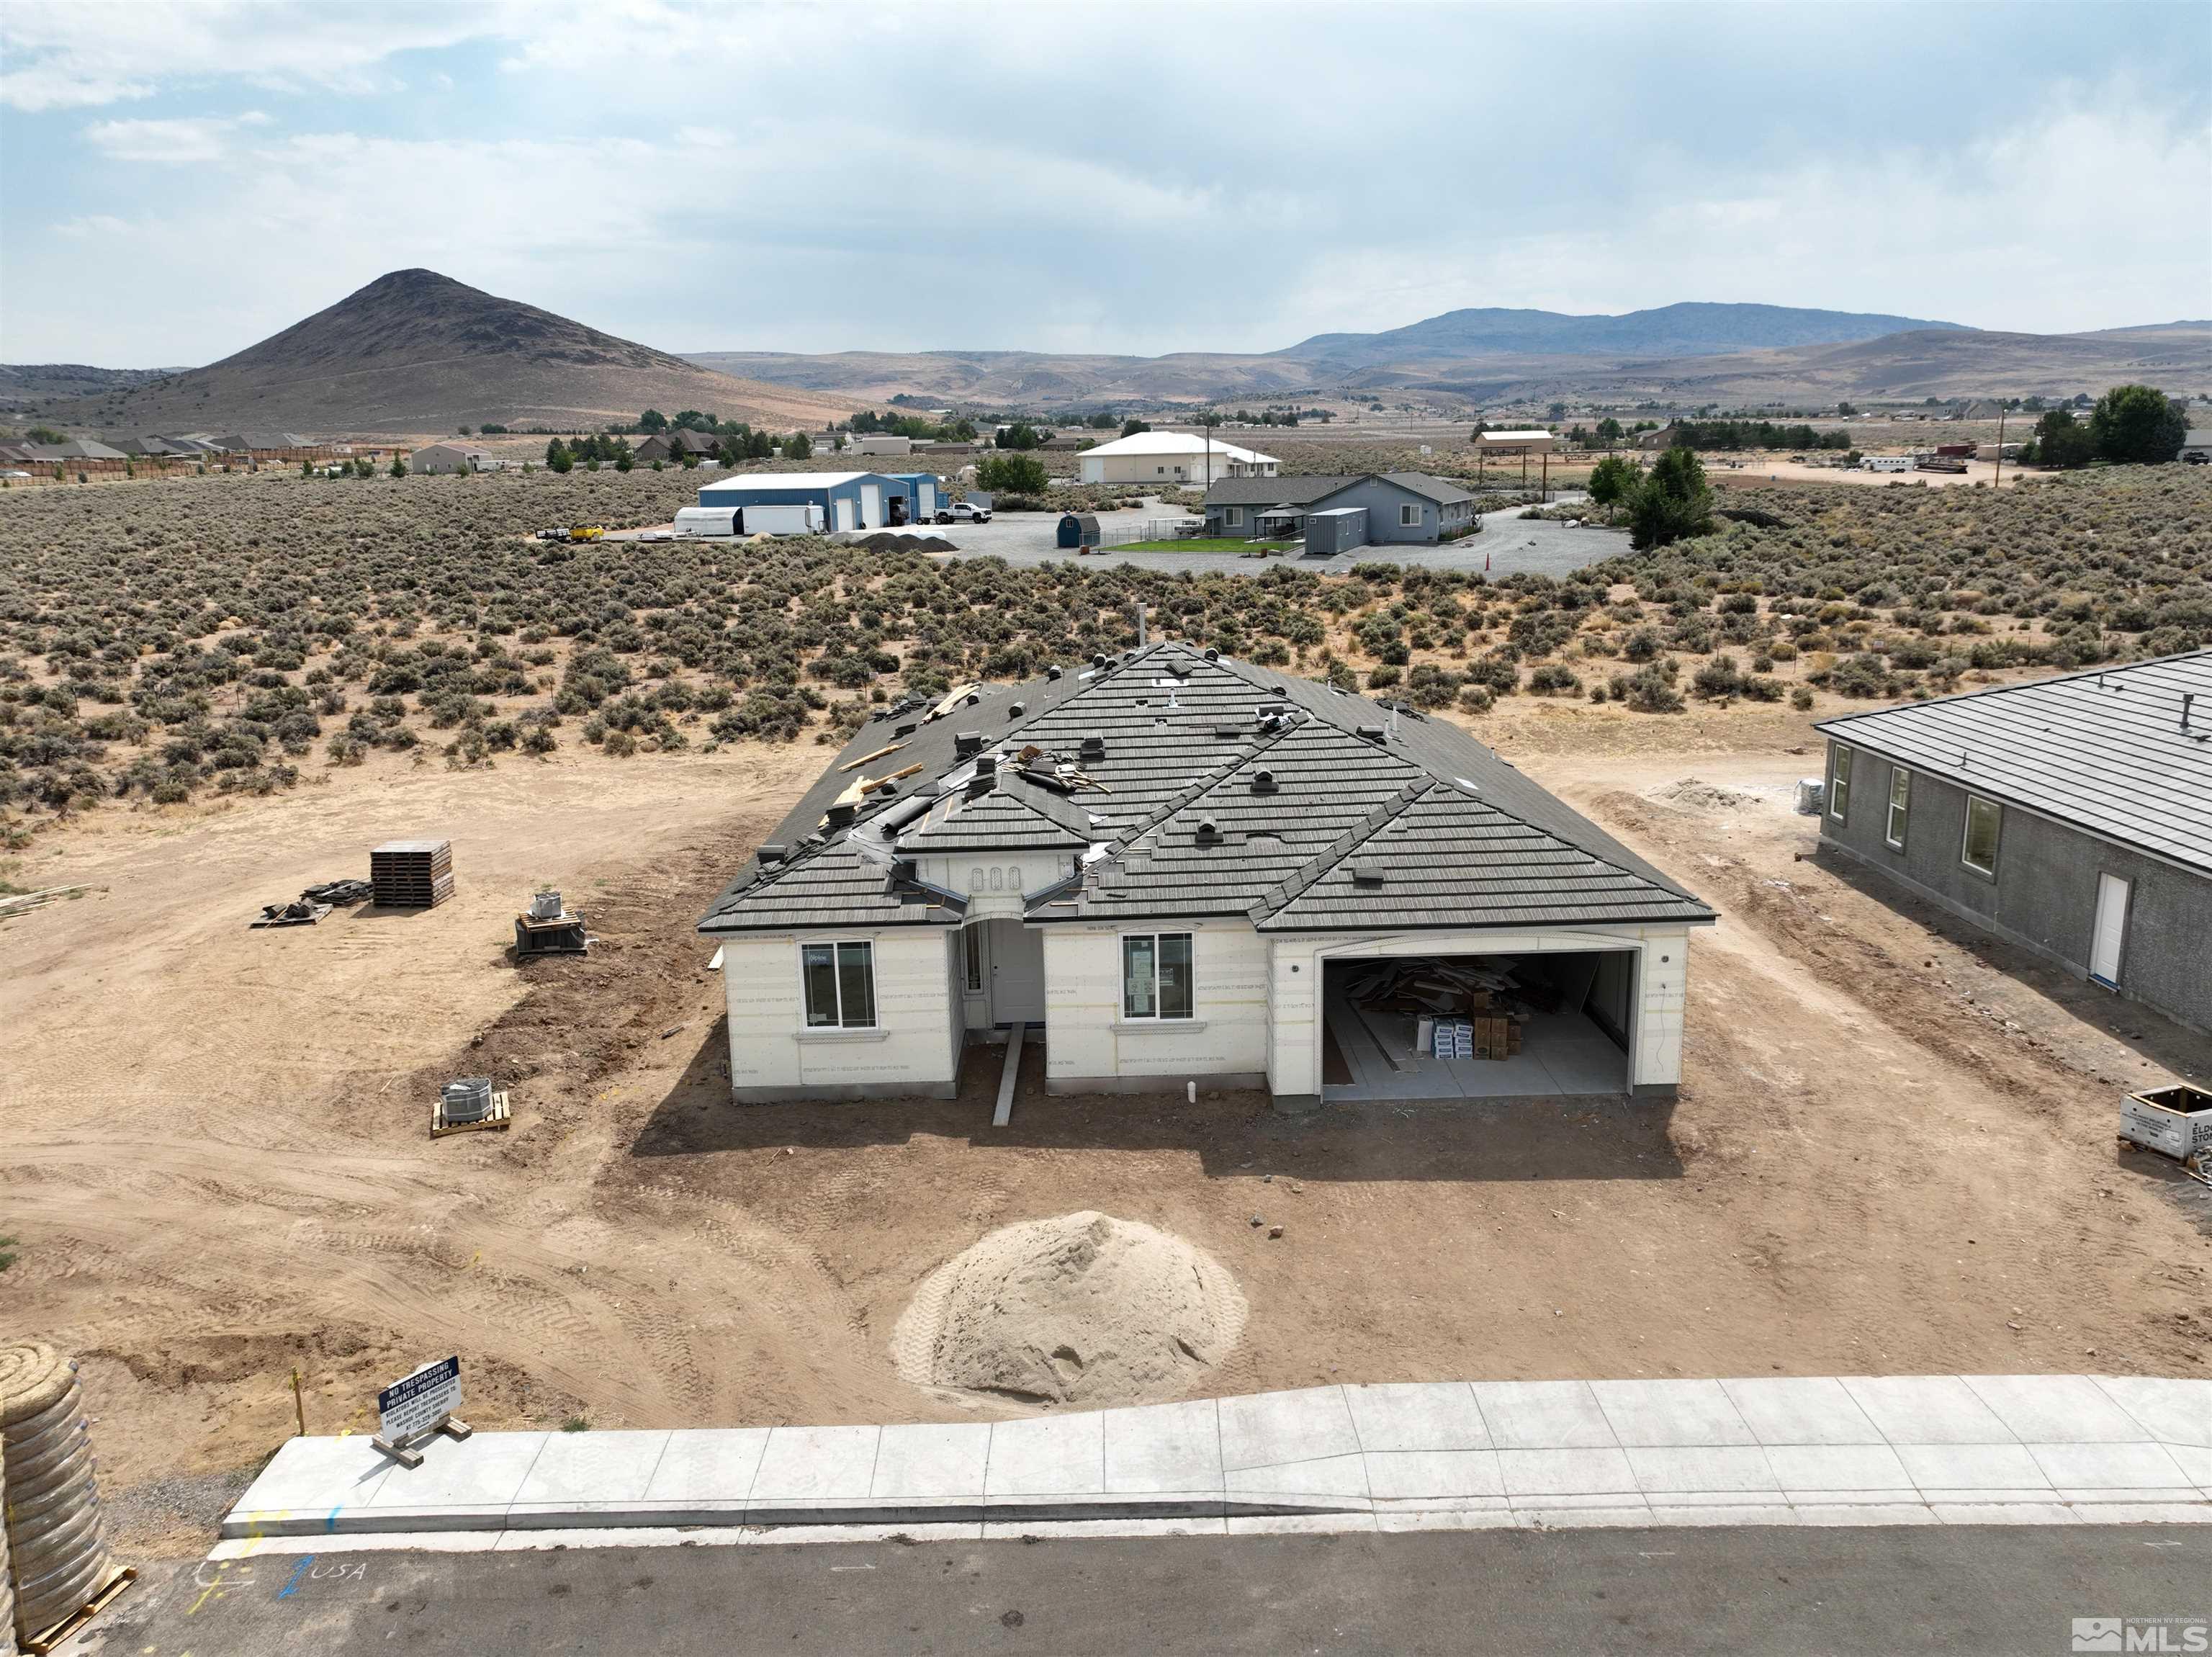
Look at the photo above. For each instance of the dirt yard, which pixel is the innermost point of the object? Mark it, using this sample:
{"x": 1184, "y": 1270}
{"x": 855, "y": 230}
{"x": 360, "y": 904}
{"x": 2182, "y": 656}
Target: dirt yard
{"x": 1893, "y": 1151}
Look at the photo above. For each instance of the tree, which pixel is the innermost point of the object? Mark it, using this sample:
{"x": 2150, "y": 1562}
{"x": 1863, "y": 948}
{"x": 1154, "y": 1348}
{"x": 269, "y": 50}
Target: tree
{"x": 399, "y": 466}
{"x": 1103, "y": 421}
{"x": 1845, "y": 409}
{"x": 1132, "y": 426}
{"x": 44, "y": 434}
{"x": 800, "y": 448}
{"x": 1673, "y": 500}
{"x": 464, "y": 431}
{"x": 692, "y": 420}
{"x": 1557, "y": 412}
{"x": 1611, "y": 481}
{"x": 1016, "y": 474}
{"x": 759, "y": 446}
{"x": 2138, "y": 423}
{"x": 557, "y": 457}
{"x": 653, "y": 420}
{"x": 1608, "y": 431}
{"x": 2060, "y": 441}
{"x": 1019, "y": 435}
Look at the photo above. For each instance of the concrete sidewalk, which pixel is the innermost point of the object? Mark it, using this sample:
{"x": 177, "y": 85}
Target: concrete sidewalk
{"x": 1979, "y": 1449}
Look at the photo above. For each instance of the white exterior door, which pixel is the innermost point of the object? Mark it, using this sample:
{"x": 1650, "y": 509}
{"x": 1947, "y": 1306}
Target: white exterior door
{"x": 926, "y": 494}
{"x": 872, "y": 505}
{"x": 2112, "y": 934}
{"x": 1017, "y": 957}
{"x": 845, "y": 512}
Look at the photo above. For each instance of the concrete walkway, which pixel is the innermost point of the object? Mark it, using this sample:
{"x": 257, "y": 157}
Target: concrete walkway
{"x": 1978, "y": 1449}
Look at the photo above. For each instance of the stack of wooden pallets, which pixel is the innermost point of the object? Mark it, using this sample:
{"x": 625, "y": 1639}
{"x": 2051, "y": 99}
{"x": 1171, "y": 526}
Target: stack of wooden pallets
{"x": 411, "y": 873}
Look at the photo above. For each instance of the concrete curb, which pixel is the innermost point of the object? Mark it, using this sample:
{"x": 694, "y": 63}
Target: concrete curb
{"x": 1453, "y": 1454}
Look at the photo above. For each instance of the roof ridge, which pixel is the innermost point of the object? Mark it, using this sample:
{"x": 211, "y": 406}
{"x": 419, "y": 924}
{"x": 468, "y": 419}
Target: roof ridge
{"x": 1288, "y": 891}
{"x": 1263, "y": 740}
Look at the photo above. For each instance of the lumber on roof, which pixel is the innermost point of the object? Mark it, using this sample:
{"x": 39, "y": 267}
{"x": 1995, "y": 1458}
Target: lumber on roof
{"x": 874, "y": 783}
{"x": 953, "y": 699}
{"x": 855, "y": 765}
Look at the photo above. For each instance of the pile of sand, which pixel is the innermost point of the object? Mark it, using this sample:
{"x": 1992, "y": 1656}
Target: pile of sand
{"x": 1691, "y": 795}
{"x": 1080, "y": 1309}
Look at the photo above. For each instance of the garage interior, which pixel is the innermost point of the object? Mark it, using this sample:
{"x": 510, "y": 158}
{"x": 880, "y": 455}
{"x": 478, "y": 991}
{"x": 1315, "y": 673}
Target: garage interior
{"x": 1421, "y": 1026}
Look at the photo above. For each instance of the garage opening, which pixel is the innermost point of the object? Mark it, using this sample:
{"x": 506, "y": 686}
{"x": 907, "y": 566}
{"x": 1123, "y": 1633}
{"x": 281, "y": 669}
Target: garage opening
{"x": 1476, "y": 1027}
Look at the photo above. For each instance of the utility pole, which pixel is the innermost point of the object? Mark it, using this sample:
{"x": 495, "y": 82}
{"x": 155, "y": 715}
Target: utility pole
{"x": 1999, "y": 478}
{"x": 1545, "y": 486}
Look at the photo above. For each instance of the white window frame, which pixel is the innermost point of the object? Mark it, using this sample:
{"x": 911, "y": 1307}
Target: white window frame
{"x": 836, "y": 946}
{"x": 1966, "y": 837}
{"x": 1190, "y": 947}
{"x": 1899, "y": 821}
{"x": 1232, "y": 517}
{"x": 1409, "y": 515}
{"x": 1839, "y": 782}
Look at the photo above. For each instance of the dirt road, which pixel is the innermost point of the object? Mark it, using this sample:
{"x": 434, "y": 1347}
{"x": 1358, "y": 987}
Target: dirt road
{"x": 1889, "y": 1154}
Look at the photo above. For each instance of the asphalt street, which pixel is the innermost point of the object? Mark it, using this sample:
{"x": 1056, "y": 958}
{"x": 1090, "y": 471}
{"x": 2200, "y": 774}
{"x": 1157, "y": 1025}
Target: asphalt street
{"x": 1958, "y": 1591}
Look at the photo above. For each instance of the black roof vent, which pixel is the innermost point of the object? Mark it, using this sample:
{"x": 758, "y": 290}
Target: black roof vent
{"x": 1052, "y": 672}
{"x": 974, "y": 699}
{"x": 1098, "y": 660}
{"x": 1373, "y": 734}
{"x": 772, "y": 853}
{"x": 967, "y": 742}
{"x": 1018, "y": 709}
{"x": 981, "y": 783}
{"x": 1209, "y": 832}
{"x": 1092, "y": 747}
{"x": 1279, "y": 689}
{"x": 986, "y": 763}
{"x": 906, "y": 729}
{"x": 842, "y": 813}
{"x": 1367, "y": 875}
{"x": 1263, "y": 782}
{"x": 1212, "y": 654}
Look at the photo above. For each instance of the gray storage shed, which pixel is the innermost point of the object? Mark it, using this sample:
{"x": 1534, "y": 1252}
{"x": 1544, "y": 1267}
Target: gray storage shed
{"x": 2072, "y": 816}
{"x": 1337, "y": 529}
{"x": 1405, "y": 506}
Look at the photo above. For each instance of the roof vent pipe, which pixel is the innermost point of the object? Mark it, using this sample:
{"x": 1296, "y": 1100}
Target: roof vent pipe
{"x": 1374, "y": 734}
{"x": 1052, "y": 672}
{"x": 2187, "y": 697}
{"x": 1212, "y": 654}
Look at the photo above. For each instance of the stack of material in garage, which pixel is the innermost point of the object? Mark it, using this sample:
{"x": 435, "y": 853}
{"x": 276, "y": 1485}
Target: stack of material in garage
{"x": 1449, "y": 989}
{"x": 57, "y": 1548}
{"x": 411, "y": 873}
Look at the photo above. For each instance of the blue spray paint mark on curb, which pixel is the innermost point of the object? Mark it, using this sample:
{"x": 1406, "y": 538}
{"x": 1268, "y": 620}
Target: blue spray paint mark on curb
{"x": 292, "y": 1583}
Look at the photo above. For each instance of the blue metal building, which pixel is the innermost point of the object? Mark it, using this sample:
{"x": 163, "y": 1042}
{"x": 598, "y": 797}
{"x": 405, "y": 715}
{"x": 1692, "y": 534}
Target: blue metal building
{"x": 849, "y": 500}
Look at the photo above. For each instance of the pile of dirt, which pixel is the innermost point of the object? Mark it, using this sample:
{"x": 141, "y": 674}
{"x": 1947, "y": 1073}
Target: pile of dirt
{"x": 1079, "y": 1309}
{"x": 1691, "y": 795}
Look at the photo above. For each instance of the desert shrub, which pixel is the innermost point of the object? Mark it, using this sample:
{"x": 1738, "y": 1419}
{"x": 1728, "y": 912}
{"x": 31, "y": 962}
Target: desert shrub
{"x": 1553, "y": 677}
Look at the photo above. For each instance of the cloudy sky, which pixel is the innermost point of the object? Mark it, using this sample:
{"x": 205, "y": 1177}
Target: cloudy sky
{"x": 180, "y": 182}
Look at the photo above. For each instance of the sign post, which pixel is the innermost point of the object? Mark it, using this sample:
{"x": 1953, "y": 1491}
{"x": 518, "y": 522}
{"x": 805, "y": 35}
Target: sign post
{"x": 419, "y": 1406}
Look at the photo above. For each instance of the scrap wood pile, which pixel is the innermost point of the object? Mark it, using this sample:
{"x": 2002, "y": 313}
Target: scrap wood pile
{"x": 1459, "y": 1011}
{"x": 312, "y": 905}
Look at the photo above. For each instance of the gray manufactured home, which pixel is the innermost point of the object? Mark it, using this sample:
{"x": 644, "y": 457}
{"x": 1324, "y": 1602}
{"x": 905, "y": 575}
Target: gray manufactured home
{"x": 2072, "y": 816}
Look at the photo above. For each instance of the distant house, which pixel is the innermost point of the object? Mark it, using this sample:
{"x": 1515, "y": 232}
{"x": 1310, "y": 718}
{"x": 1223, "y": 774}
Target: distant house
{"x": 1235, "y": 507}
{"x": 442, "y": 458}
{"x": 2071, "y": 815}
{"x": 1401, "y": 506}
{"x": 1662, "y": 437}
{"x": 880, "y": 442}
{"x": 76, "y": 448}
{"x": 2196, "y": 447}
{"x": 1167, "y": 459}
{"x": 267, "y": 445}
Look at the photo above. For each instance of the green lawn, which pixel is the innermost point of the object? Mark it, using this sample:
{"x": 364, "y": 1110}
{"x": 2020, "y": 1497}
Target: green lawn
{"x": 1199, "y": 545}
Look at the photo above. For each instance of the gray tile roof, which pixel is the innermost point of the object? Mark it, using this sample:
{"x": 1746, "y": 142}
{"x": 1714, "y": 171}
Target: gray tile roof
{"x": 1433, "y": 489}
{"x": 1175, "y": 795}
{"x": 1295, "y": 491}
{"x": 2103, "y": 750}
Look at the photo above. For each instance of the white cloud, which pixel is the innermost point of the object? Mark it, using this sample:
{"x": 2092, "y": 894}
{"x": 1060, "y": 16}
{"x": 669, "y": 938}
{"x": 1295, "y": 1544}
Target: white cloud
{"x": 173, "y": 141}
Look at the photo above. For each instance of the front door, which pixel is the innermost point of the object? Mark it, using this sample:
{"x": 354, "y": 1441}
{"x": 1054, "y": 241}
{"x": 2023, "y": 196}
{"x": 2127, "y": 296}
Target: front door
{"x": 1017, "y": 957}
{"x": 2111, "y": 932}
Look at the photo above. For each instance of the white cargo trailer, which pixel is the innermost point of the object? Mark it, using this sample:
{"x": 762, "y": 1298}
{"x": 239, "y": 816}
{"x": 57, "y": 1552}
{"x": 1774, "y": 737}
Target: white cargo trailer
{"x": 706, "y": 521}
{"x": 779, "y": 519}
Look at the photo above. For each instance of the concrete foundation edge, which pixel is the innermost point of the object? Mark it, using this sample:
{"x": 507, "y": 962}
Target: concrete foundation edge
{"x": 846, "y": 1092}
{"x": 1252, "y": 1080}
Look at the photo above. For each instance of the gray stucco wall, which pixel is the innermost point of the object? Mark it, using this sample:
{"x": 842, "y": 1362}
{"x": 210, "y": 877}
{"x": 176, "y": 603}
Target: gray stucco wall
{"x": 2044, "y": 894}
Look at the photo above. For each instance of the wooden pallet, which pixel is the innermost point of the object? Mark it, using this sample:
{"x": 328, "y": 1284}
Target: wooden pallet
{"x": 39, "y": 1644}
{"x": 498, "y": 1119}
